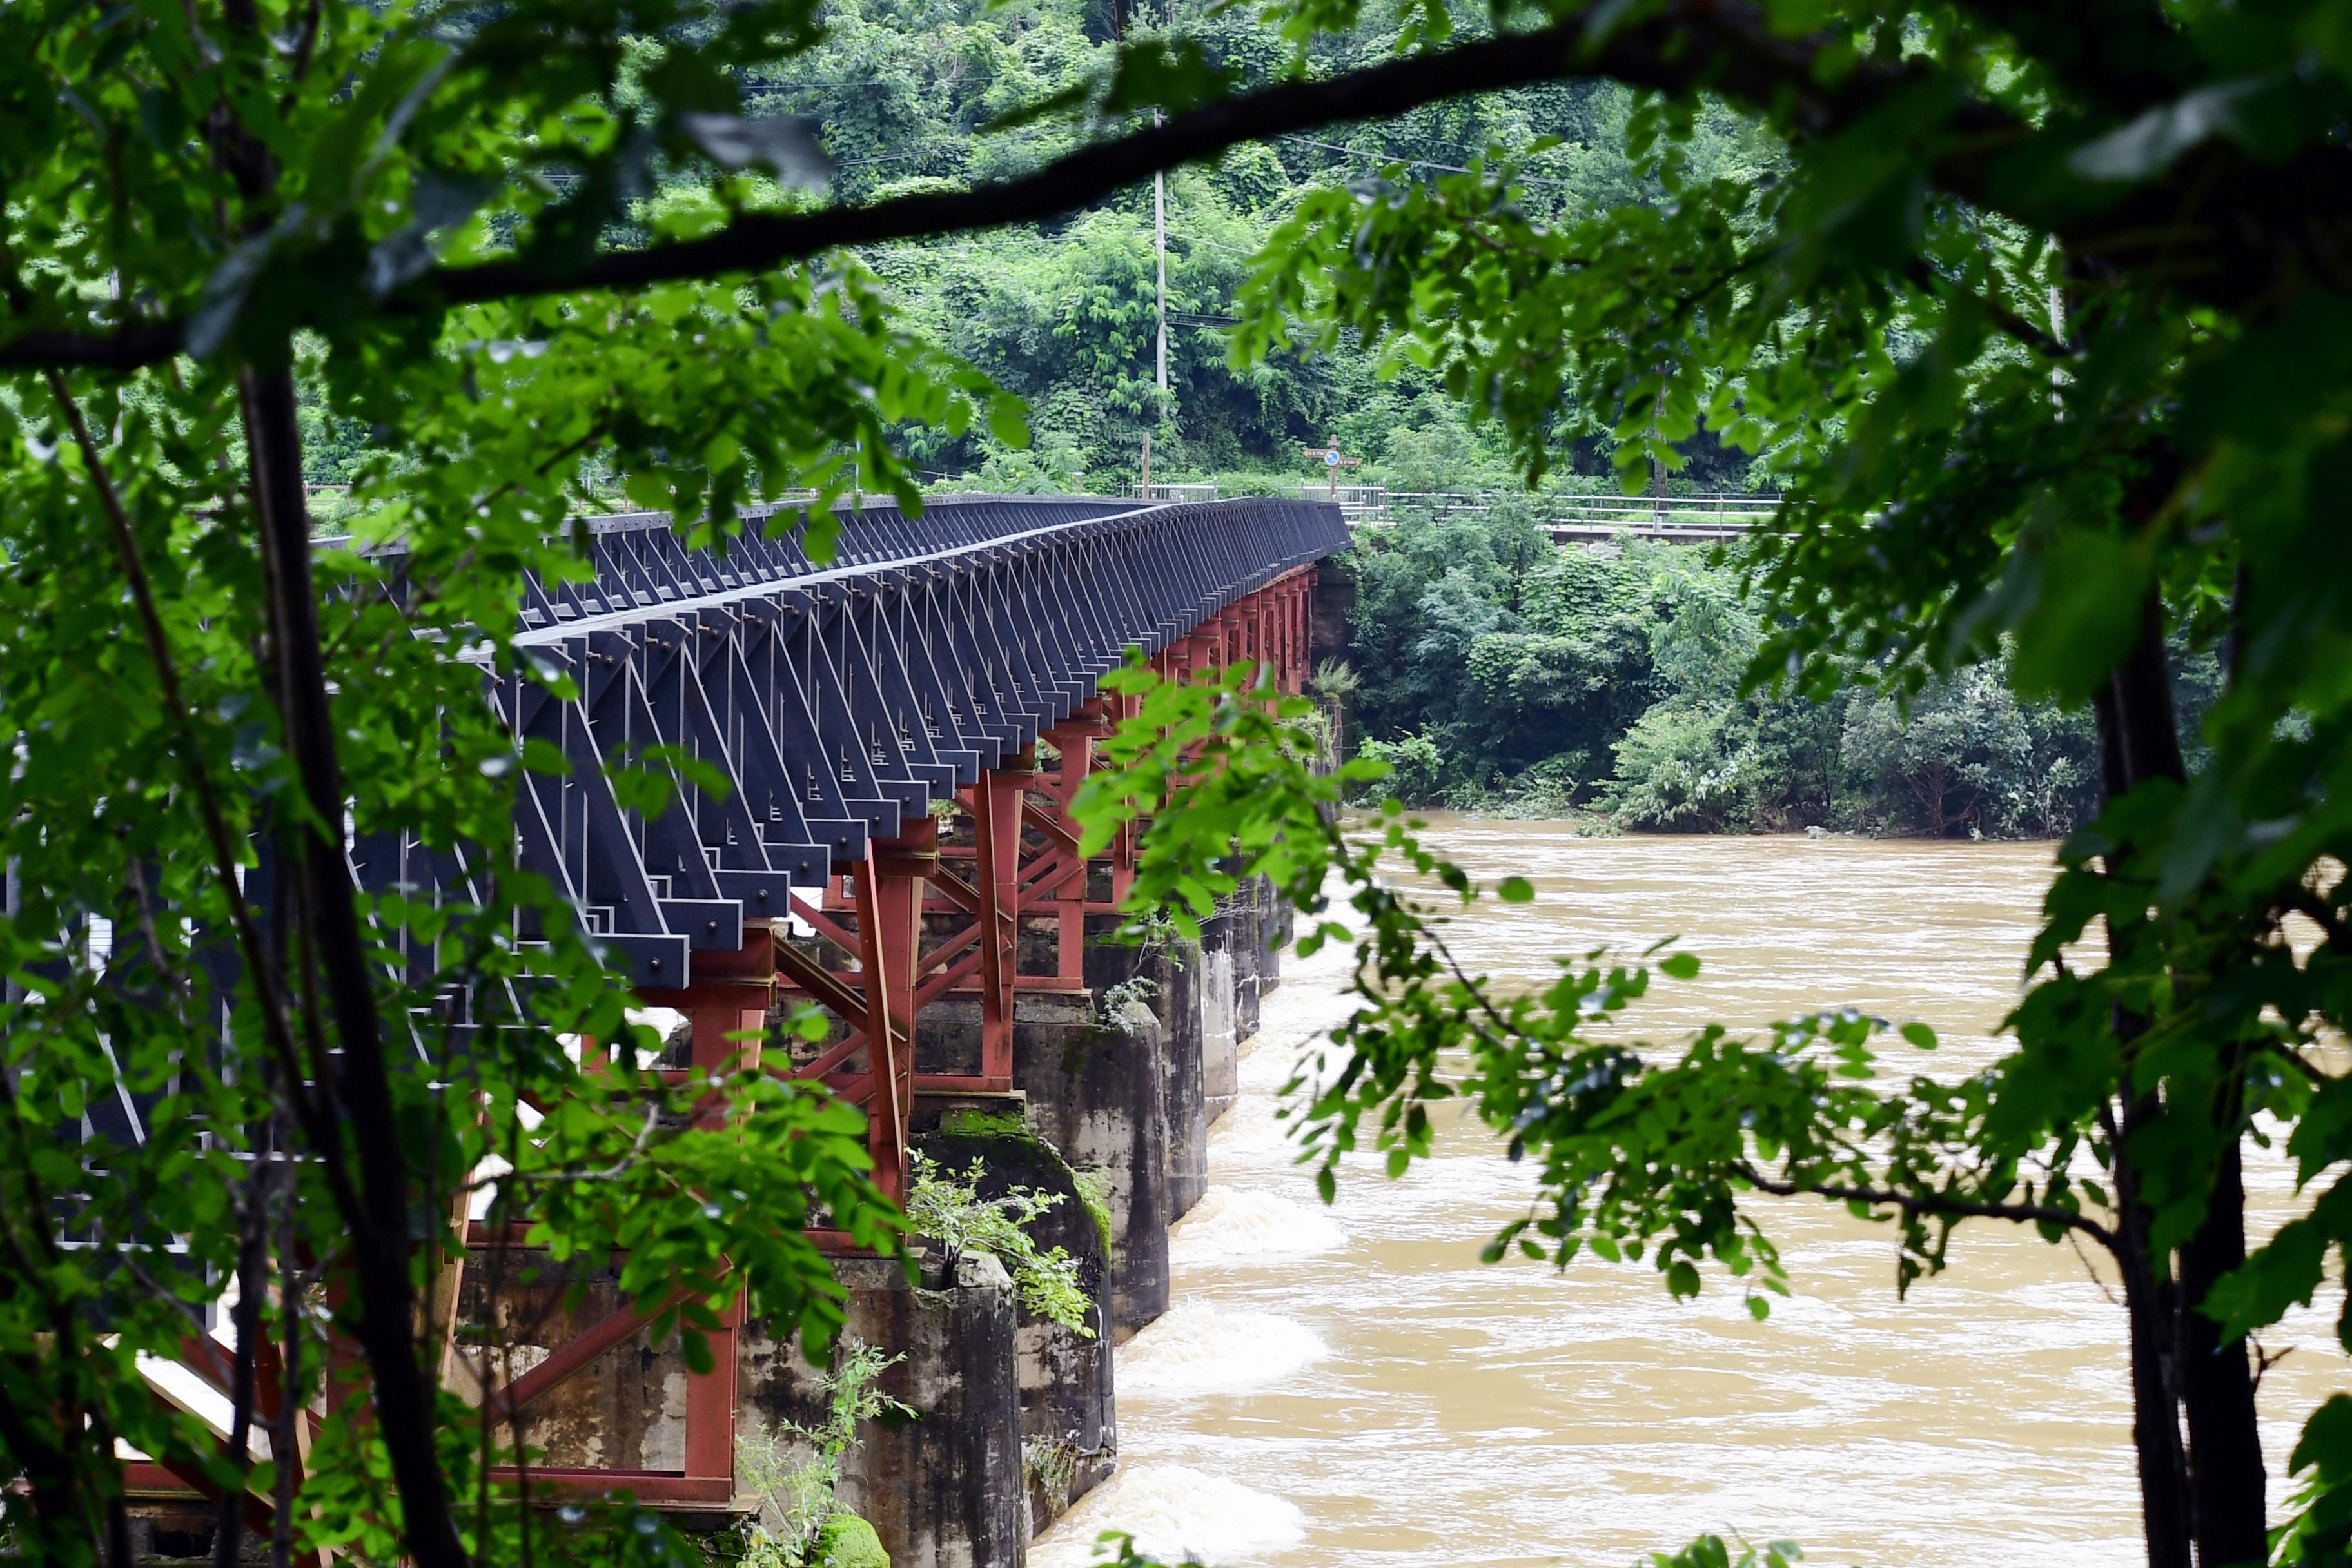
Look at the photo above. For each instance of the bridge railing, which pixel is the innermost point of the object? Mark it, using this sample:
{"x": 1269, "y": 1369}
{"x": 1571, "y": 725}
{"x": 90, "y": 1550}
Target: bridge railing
{"x": 1577, "y": 517}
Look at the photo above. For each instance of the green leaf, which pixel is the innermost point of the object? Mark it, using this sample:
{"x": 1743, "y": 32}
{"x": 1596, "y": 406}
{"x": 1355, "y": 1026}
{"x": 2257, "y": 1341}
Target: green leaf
{"x": 1679, "y": 966}
{"x": 1516, "y": 890}
{"x": 2086, "y": 615}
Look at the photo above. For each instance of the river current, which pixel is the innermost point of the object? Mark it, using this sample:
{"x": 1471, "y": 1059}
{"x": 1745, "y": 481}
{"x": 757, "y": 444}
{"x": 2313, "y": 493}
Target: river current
{"x": 1351, "y": 1385}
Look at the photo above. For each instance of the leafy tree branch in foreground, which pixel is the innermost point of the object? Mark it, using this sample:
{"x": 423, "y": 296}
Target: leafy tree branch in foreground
{"x": 1651, "y": 1150}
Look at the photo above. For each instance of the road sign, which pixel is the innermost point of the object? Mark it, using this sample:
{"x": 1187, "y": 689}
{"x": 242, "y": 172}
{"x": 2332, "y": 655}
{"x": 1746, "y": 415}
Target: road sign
{"x": 1333, "y": 462}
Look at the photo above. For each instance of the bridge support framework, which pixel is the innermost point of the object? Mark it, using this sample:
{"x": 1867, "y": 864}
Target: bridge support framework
{"x": 916, "y": 920}
{"x": 949, "y": 661}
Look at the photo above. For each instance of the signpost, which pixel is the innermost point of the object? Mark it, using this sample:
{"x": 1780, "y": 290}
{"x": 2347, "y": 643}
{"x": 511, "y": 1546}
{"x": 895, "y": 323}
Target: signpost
{"x": 1333, "y": 462}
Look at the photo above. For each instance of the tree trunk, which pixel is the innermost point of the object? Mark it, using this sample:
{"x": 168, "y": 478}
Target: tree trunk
{"x": 2138, "y": 740}
{"x": 2225, "y": 1451}
{"x": 2217, "y": 1385}
{"x": 403, "y": 1397}
{"x": 2148, "y": 1308}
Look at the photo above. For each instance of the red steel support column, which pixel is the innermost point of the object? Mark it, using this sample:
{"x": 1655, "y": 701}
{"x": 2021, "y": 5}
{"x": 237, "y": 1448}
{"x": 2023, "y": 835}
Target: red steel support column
{"x": 1289, "y": 621}
{"x": 1303, "y": 626}
{"x": 995, "y": 804}
{"x": 1118, "y": 708}
{"x": 886, "y": 890}
{"x": 1075, "y": 741}
{"x": 731, "y": 996}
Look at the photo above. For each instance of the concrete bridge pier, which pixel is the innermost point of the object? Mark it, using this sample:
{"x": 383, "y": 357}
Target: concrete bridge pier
{"x": 1068, "y": 1414}
{"x": 942, "y": 1490}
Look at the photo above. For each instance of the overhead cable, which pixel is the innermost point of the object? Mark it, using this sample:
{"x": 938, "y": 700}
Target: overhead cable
{"x": 1410, "y": 163}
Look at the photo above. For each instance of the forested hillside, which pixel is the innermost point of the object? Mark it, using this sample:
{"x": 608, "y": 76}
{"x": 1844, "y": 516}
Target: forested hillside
{"x": 1492, "y": 668}
{"x": 906, "y": 91}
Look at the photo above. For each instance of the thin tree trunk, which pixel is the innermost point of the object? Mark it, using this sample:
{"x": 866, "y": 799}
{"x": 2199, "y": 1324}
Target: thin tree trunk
{"x": 285, "y": 1436}
{"x": 2138, "y": 742}
{"x": 402, "y": 1395}
{"x": 229, "y": 1538}
{"x": 2149, "y": 1311}
{"x": 2217, "y": 1385}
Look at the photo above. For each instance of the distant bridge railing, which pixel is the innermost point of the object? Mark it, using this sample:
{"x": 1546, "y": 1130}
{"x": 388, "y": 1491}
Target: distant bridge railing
{"x": 1582, "y": 519}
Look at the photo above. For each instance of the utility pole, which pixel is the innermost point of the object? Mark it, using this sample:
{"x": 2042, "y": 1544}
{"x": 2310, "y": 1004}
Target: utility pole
{"x": 1159, "y": 248}
{"x": 1160, "y": 239}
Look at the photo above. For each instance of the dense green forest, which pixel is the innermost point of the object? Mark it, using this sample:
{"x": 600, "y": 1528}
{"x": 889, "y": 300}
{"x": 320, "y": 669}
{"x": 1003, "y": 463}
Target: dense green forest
{"x": 1492, "y": 668}
{"x": 908, "y": 95}
{"x": 904, "y": 93}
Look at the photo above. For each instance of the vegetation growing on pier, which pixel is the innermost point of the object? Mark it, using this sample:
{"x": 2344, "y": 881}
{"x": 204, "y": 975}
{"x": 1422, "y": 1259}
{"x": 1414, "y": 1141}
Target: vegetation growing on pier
{"x": 944, "y": 1204}
{"x": 795, "y": 1472}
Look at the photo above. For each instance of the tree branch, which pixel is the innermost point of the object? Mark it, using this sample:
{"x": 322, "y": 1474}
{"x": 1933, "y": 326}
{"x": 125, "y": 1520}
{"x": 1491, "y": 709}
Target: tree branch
{"x": 2221, "y": 228}
{"x": 1933, "y": 1203}
{"x": 1718, "y": 46}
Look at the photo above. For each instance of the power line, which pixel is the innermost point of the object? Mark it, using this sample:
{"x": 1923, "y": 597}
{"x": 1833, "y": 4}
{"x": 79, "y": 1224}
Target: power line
{"x": 1410, "y": 163}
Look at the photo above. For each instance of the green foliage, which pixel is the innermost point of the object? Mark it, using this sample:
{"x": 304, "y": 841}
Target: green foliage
{"x": 914, "y": 97}
{"x": 1414, "y": 767}
{"x": 1964, "y": 750}
{"x": 945, "y": 1205}
{"x": 849, "y": 1541}
{"x": 1502, "y": 672}
{"x": 794, "y": 1471}
{"x": 1711, "y": 1552}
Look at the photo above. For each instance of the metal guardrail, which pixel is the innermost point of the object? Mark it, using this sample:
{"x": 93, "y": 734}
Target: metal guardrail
{"x": 1578, "y": 518}
{"x": 1173, "y": 492}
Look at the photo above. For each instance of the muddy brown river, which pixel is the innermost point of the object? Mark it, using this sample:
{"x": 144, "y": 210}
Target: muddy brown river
{"x": 1351, "y": 1385}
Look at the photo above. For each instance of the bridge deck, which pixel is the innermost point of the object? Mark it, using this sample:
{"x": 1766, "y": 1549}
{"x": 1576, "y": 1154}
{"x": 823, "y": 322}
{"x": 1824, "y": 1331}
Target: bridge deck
{"x": 840, "y": 701}
{"x": 843, "y": 702}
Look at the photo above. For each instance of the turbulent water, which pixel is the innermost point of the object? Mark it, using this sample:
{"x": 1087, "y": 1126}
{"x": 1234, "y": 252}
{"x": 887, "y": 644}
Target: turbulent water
{"x": 1350, "y": 1385}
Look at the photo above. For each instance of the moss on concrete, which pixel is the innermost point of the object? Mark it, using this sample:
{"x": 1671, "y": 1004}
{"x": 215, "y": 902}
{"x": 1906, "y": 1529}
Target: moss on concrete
{"x": 970, "y": 1121}
{"x": 975, "y": 1125}
{"x": 847, "y": 1541}
{"x": 1095, "y": 1194}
